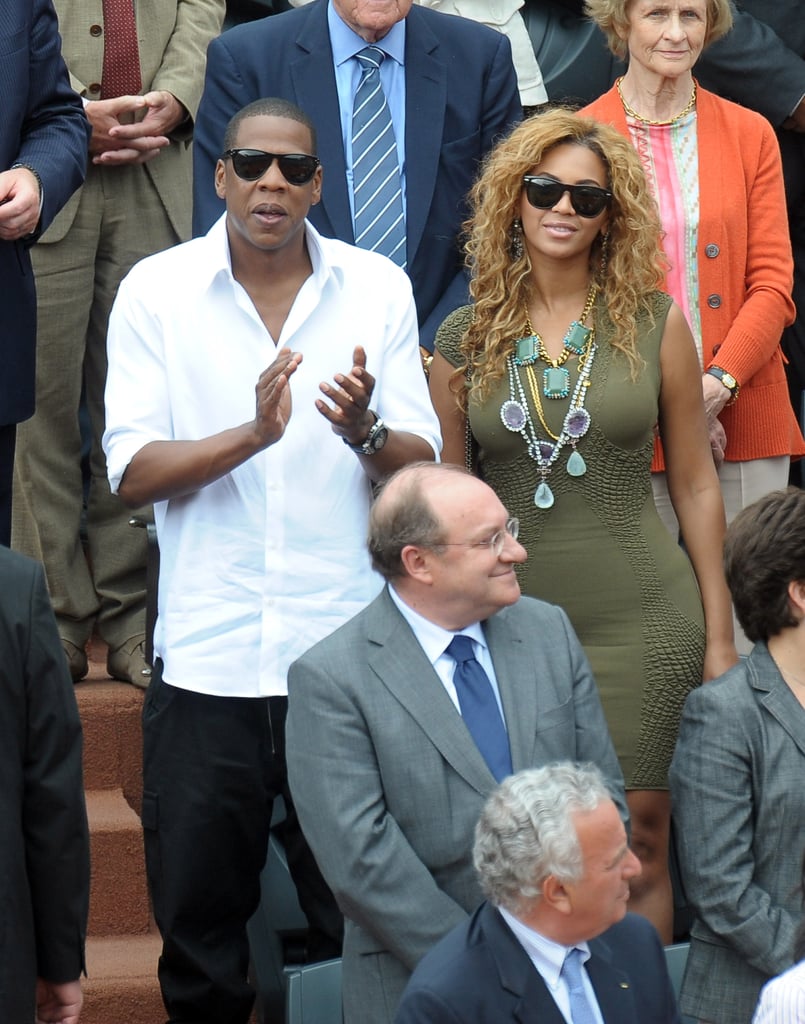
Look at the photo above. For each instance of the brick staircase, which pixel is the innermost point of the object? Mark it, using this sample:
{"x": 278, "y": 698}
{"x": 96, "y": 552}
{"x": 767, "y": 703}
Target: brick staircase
{"x": 123, "y": 945}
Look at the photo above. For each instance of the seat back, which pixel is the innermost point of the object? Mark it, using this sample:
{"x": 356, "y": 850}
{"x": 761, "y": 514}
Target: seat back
{"x": 313, "y": 994}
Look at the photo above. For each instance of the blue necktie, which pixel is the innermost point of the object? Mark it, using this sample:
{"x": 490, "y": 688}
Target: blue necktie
{"x": 580, "y": 1010}
{"x": 479, "y": 709}
{"x": 377, "y": 190}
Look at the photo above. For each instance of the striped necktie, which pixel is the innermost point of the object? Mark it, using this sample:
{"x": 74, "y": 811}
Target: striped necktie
{"x": 379, "y": 220}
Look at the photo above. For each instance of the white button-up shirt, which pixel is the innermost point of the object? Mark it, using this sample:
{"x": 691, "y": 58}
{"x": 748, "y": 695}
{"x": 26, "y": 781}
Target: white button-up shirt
{"x": 261, "y": 564}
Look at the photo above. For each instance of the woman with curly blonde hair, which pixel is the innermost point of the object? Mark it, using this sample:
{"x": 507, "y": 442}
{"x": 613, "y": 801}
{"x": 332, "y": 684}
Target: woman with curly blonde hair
{"x": 552, "y": 383}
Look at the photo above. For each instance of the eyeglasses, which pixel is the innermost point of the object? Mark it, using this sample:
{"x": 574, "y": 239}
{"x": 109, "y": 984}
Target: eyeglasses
{"x": 544, "y": 193}
{"x": 496, "y": 542}
{"x": 251, "y": 164}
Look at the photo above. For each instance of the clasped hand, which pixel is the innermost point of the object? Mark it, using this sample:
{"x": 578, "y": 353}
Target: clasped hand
{"x": 120, "y": 135}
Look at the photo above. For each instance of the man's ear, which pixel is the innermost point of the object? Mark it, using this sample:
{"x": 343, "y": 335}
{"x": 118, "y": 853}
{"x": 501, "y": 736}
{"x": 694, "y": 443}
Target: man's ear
{"x": 220, "y": 179}
{"x": 556, "y": 895}
{"x": 416, "y": 562}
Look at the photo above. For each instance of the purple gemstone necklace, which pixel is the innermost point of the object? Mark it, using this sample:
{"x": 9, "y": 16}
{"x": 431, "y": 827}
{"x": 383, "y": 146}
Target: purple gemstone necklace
{"x": 516, "y": 417}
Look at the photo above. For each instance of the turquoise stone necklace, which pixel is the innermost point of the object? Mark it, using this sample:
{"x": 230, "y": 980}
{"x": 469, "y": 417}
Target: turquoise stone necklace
{"x": 531, "y": 348}
{"x": 516, "y": 416}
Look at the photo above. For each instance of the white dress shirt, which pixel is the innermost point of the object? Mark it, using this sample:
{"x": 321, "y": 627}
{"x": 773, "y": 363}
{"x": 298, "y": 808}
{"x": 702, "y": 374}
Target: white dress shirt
{"x": 782, "y": 1000}
{"x": 258, "y": 566}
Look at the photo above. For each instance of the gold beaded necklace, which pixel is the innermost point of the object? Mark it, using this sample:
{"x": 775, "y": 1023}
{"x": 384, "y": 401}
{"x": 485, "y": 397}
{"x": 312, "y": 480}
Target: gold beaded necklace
{"x": 647, "y": 120}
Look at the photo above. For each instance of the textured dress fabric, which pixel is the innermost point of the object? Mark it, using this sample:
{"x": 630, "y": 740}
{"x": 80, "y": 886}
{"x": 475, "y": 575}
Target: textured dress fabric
{"x": 601, "y": 552}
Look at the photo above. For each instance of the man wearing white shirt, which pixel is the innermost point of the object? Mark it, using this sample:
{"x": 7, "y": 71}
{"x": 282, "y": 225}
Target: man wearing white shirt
{"x": 401, "y": 722}
{"x": 553, "y": 943}
{"x": 261, "y": 380}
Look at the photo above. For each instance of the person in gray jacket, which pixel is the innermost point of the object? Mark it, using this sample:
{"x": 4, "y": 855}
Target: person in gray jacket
{"x": 737, "y": 792}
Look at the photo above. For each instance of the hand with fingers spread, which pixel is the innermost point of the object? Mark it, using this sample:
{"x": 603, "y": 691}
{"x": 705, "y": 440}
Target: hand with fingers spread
{"x": 349, "y": 415}
{"x": 273, "y": 398}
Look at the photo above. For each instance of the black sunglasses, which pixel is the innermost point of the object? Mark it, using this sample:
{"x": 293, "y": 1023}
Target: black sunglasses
{"x": 587, "y": 200}
{"x": 251, "y": 164}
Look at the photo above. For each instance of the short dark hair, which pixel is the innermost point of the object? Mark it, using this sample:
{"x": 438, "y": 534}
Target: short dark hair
{"x": 402, "y": 515}
{"x": 269, "y": 106}
{"x": 764, "y": 551}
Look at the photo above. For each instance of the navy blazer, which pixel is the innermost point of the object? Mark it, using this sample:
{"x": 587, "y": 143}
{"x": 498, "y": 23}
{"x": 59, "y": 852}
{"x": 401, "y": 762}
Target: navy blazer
{"x": 44, "y": 848}
{"x": 461, "y": 96}
{"x": 479, "y": 972}
{"x": 43, "y": 125}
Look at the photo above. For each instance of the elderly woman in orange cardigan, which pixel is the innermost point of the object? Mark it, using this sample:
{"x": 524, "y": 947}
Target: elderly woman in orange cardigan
{"x": 714, "y": 169}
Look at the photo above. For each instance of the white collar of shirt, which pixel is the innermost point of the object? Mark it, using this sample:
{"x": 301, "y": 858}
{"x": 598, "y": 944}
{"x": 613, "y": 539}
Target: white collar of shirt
{"x": 548, "y": 957}
{"x": 219, "y": 260}
{"x": 346, "y": 43}
{"x": 434, "y": 639}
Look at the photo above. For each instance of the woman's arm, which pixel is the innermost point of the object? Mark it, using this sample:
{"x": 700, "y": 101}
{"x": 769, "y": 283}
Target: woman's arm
{"x": 451, "y": 418}
{"x": 693, "y": 486}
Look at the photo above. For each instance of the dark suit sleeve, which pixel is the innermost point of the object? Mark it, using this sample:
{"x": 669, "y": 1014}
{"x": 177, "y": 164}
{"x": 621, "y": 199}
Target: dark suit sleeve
{"x": 501, "y": 111}
{"x": 54, "y": 818}
{"x": 422, "y": 1006}
{"x": 225, "y": 92}
{"x": 755, "y": 67}
{"x": 55, "y": 132}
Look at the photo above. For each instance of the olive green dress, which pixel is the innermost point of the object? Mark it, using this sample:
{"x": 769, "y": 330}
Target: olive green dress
{"x": 600, "y": 551}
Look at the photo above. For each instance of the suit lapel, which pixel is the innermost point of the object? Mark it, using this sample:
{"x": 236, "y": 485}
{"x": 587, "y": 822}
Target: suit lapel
{"x": 512, "y": 656}
{"x": 613, "y": 988}
{"x": 314, "y": 88}
{"x": 425, "y": 103}
{"x": 775, "y": 696}
{"x": 532, "y": 1003}
{"x": 399, "y": 663}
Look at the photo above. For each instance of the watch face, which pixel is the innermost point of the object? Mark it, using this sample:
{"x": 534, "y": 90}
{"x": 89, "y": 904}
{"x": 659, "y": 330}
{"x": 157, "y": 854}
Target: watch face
{"x": 728, "y": 380}
{"x": 379, "y": 438}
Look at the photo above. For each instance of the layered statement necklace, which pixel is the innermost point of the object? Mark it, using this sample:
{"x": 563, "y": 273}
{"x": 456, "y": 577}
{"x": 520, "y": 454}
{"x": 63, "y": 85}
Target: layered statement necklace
{"x": 579, "y": 340}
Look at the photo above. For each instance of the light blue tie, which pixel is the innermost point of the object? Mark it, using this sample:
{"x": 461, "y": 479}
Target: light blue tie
{"x": 379, "y": 219}
{"x": 479, "y": 709}
{"x": 580, "y": 1010}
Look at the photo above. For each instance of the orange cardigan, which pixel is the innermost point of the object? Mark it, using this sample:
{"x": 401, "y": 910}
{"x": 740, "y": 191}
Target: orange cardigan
{"x": 745, "y": 269}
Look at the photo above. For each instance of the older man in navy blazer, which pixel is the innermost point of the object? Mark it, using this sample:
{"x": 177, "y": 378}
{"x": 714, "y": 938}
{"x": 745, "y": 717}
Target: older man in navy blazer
{"x": 43, "y": 154}
{"x": 554, "y": 942}
{"x": 452, "y": 91}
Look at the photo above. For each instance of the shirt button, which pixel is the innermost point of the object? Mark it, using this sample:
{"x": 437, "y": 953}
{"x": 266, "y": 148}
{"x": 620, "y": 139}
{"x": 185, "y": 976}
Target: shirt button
{"x": 95, "y": 30}
{"x": 713, "y": 301}
{"x": 711, "y": 251}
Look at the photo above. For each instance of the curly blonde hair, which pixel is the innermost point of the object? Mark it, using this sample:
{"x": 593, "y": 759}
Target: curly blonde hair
{"x": 612, "y": 17}
{"x": 501, "y": 281}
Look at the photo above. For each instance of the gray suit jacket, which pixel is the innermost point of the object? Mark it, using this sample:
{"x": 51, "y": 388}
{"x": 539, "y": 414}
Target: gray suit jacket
{"x": 389, "y": 784}
{"x": 738, "y": 797}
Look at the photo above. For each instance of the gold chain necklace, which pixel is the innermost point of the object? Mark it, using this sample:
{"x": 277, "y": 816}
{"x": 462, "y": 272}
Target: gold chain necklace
{"x": 556, "y": 380}
{"x": 533, "y": 385}
{"x": 647, "y": 120}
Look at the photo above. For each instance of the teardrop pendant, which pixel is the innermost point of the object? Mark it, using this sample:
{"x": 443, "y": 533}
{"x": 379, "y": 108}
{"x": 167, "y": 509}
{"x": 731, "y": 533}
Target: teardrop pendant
{"x": 543, "y": 496}
{"x": 576, "y": 466}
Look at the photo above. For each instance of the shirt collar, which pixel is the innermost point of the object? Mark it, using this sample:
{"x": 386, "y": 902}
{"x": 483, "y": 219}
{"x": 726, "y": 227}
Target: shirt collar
{"x": 433, "y": 639}
{"x": 346, "y": 43}
{"x": 546, "y": 955}
{"x": 217, "y": 261}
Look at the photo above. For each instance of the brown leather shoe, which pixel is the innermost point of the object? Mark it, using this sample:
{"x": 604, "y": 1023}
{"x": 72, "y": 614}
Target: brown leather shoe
{"x": 76, "y": 659}
{"x": 128, "y": 663}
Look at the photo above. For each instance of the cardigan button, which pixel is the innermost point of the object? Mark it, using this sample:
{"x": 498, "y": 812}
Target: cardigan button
{"x": 95, "y": 30}
{"x": 711, "y": 251}
{"x": 713, "y": 301}
{"x": 716, "y": 348}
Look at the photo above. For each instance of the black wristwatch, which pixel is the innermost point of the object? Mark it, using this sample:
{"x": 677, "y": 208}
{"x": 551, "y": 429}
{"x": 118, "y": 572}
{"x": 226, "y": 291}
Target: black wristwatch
{"x": 374, "y": 440}
{"x": 729, "y": 382}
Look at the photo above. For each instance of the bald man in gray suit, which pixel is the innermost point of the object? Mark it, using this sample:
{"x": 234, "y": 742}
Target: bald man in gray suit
{"x": 383, "y": 761}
